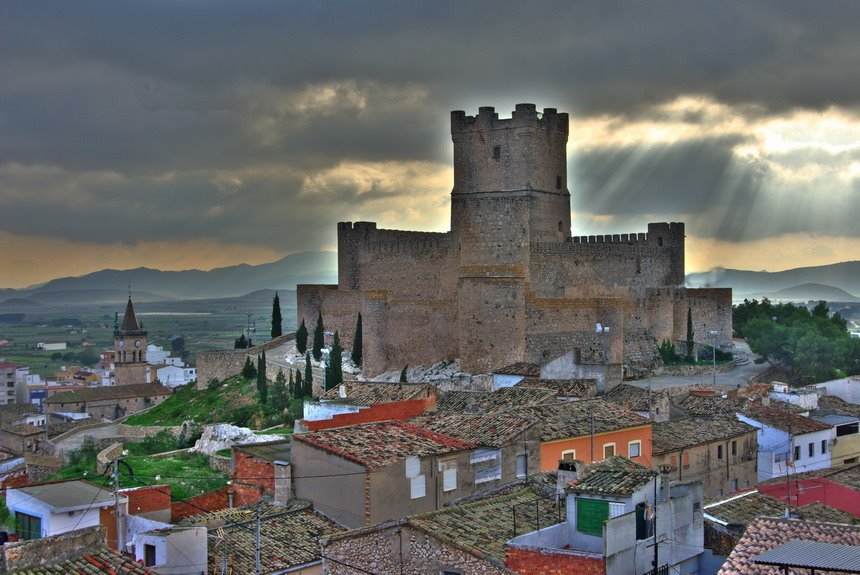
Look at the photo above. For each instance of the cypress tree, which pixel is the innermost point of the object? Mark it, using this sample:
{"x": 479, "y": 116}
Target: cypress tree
{"x": 689, "y": 334}
{"x": 280, "y": 398}
{"x": 276, "y": 317}
{"x": 319, "y": 338}
{"x": 308, "y": 391}
{"x": 291, "y": 388}
{"x": 248, "y": 370}
{"x": 262, "y": 384}
{"x": 302, "y": 338}
{"x": 241, "y": 342}
{"x": 298, "y": 388}
{"x": 335, "y": 367}
{"x": 356, "y": 343}
{"x": 403, "y": 375}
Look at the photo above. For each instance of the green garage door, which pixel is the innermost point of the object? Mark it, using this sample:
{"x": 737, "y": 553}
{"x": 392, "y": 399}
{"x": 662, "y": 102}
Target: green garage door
{"x": 590, "y": 515}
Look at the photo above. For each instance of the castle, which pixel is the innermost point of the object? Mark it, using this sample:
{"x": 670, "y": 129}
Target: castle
{"x": 509, "y": 283}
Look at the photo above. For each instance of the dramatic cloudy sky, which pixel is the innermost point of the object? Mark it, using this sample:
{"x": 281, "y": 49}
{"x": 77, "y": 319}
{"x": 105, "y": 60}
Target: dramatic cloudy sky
{"x": 204, "y": 133}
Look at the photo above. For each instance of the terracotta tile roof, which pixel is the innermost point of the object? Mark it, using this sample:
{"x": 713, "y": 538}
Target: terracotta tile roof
{"x": 487, "y": 401}
{"x": 779, "y": 418}
{"x": 22, "y": 429}
{"x": 91, "y": 562}
{"x": 818, "y": 511}
{"x": 566, "y": 419}
{"x": 613, "y": 476}
{"x": 833, "y": 403}
{"x": 678, "y": 434}
{"x": 520, "y": 368}
{"x": 743, "y": 507}
{"x": 213, "y": 519}
{"x": 764, "y": 534}
{"x": 632, "y": 397}
{"x": 494, "y": 430}
{"x": 711, "y": 406}
{"x": 847, "y": 475}
{"x": 376, "y": 445}
{"x": 289, "y": 538}
{"x": 109, "y": 392}
{"x": 483, "y": 528}
{"x": 564, "y": 387}
{"x": 370, "y": 393}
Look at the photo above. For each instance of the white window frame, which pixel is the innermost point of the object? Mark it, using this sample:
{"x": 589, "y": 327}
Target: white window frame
{"x": 638, "y": 444}
{"x": 449, "y": 479}
{"x": 616, "y": 509}
{"x": 525, "y": 459}
{"x": 614, "y": 449}
{"x": 413, "y": 466}
{"x": 571, "y": 451}
{"x": 417, "y": 487}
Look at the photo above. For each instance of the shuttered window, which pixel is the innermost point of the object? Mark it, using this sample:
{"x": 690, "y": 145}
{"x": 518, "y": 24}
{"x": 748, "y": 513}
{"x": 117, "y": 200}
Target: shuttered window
{"x": 413, "y": 467}
{"x": 449, "y": 479}
{"x": 615, "y": 509}
{"x": 417, "y": 487}
{"x": 590, "y": 515}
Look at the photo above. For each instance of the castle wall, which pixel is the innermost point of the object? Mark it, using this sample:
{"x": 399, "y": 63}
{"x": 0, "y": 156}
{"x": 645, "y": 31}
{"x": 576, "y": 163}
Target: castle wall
{"x": 408, "y": 264}
{"x": 339, "y": 310}
{"x": 638, "y": 261}
{"x": 491, "y": 322}
{"x": 711, "y": 310}
{"x": 492, "y": 230}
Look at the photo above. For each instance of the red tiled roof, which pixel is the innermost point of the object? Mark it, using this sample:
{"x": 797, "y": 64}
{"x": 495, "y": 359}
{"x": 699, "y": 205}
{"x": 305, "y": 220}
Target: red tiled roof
{"x": 377, "y": 445}
{"x": 779, "y": 418}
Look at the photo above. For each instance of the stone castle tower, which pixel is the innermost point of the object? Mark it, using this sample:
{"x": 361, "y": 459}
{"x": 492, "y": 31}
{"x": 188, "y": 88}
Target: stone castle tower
{"x": 509, "y": 282}
{"x": 129, "y": 342}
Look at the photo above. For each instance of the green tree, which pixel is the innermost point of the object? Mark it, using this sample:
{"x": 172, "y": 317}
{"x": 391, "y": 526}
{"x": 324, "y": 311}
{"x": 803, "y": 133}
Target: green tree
{"x": 319, "y": 338}
{"x": 276, "y": 317}
{"x": 88, "y": 357}
{"x": 291, "y": 386}
{"x": 335, "y": 359}
{"x": 280, "y": 396}
{"x": 248, "y": 370}
{"x": 690, "y": 344}
{"x": 298, "y": 387}
{"x": 302, "y": 338}
{"x": 262, "y": 382}
{"x": 177, "y": 346}
{"x": 309, "y": 376}
{"x": 403, "y": 374}
{"x": 241, "y": 342}
{"x": 357, "y": 343}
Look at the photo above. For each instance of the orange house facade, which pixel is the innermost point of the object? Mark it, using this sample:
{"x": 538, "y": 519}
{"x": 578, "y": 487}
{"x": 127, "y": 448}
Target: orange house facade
{"x": 633, "y": 443}
{"x": 567, "y": 427}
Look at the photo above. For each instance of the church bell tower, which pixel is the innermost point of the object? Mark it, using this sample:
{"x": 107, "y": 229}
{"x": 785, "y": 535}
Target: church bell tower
{"x": 130, "y": 350}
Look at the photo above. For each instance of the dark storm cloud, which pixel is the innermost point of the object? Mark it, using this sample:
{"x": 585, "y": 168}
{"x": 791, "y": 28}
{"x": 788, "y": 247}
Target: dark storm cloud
{"x": 144, "y": 89}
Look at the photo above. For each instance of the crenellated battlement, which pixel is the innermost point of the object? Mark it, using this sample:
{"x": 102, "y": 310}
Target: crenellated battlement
{"x": 656, "y": 232}
{"x": 524, "y": 116}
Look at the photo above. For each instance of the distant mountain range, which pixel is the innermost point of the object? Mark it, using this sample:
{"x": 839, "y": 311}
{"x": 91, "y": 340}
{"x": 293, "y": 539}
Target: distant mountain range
{"x": 834, "y": 282}
{"x": 106, "y": 286}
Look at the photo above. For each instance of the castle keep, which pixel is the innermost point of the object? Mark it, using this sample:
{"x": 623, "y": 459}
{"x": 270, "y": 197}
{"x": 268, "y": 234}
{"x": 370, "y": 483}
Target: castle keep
{"x": 509, "y": 282}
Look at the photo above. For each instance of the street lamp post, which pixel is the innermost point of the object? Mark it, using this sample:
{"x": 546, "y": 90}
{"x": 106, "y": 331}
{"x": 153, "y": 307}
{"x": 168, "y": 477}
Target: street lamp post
{"x": 713, "y": 334}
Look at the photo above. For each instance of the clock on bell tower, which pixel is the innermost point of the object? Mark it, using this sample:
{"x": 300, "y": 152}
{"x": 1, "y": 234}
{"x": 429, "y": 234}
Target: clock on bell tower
{"x": 130, "y": 350}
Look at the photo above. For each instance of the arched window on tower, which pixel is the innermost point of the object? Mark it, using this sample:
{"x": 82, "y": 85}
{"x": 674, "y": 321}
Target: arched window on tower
{"x": 558, "y": 182}
{"x": 561, "y": 226}
{"x": 497, "y": 151}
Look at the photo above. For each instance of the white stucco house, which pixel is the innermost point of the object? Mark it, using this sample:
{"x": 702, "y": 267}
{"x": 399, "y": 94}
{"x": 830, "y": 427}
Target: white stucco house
{"x": 47, "y": 509}
{"x": 173, "y": 376}
{"x": 787, "y": 442}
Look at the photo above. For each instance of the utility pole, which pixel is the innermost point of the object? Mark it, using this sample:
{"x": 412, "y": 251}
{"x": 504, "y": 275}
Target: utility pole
{"x": 656, "y": 562}
{"x": 789, "y": 459}
{"x": 713, "y": 334}
{"x": 120, "y": 536}
{"x": 248, "y": 343}
{"x": 592, "y": 437}
{"x": 257, "y": 543}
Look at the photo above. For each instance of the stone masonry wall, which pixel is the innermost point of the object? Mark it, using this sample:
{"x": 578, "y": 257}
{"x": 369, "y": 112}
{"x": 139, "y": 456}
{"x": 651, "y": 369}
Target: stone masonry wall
{"x": 50, "y": 550}
{"x": 224, "y": 363}
{"x": 380, "y": 550}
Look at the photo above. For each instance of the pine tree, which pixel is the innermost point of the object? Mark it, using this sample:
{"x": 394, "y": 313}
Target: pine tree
{"x": 302, "y": 338}
{"x": 299, "y": 387}
{"x": 248, "y": 370}
{"x": 357, "y": 343}
{"x": 335, "y": 359}
{"x": 403, "y": 374}
{"x": 689, "y": 334}
{"x": 262, "y": 384}
{"x": 276, "y": 317}
{"x": 309, "y": 376}
{"x": 279, "y": 398}
{"x": 241, "y": 342}
{"x": 319, "y": 338}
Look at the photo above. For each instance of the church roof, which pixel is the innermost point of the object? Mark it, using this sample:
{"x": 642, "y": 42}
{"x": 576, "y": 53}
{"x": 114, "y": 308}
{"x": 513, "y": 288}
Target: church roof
{"x": 129, "y": 320}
